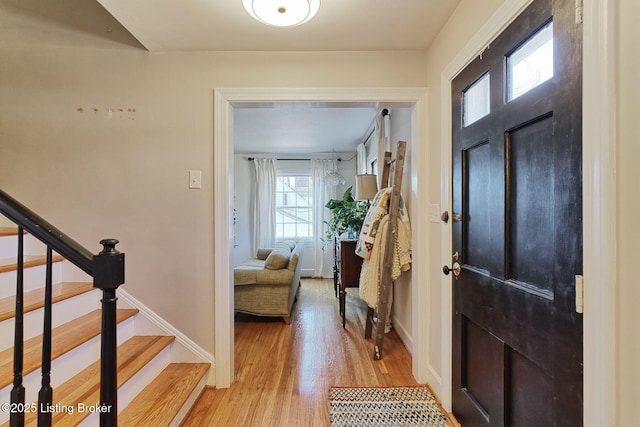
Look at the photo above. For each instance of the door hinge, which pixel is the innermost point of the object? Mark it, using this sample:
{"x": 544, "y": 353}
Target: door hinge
{"x": 579, "y": 294}
{"x": 579, "y": 12}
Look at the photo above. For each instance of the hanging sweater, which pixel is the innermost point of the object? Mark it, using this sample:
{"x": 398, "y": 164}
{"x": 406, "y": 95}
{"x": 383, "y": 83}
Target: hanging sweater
{"x": 372, "y": 268}
{"x": 377, "y": 210}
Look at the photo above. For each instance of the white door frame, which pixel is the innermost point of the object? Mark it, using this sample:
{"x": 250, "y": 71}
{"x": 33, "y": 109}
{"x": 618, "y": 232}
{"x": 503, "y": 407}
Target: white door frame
{"x": 224, "y": 101}
{"x": 599, "y": 199}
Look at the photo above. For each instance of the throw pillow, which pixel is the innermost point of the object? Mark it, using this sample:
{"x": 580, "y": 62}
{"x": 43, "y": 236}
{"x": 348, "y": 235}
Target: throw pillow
{"x": 278, "y": 258}
{"x": 263, "y": 253}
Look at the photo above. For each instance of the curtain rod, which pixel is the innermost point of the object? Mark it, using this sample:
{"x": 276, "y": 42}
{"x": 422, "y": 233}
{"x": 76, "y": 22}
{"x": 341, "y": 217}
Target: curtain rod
{"x": 252, "y": 158}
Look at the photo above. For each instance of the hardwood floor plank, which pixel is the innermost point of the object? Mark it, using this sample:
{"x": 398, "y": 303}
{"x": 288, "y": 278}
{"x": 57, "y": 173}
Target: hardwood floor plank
{"x": 284, "y": 372}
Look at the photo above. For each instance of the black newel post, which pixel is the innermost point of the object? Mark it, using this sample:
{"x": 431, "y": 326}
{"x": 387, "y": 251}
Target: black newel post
{"x": 108, "y": 274}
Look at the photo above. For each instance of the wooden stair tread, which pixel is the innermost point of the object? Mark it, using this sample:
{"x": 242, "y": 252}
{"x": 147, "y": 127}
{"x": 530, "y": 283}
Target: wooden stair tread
{"x": 84, "y": 388}
{"x": 65, "y": 338}
{"x": 10, "y": 264}
{"x": 9, "y": 231}
{"x": 34, "y": 300}
{"x": 160, "y": 401}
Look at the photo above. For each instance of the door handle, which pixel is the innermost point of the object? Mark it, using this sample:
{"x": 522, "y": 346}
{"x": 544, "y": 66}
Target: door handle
{"x": 455, "y": 268}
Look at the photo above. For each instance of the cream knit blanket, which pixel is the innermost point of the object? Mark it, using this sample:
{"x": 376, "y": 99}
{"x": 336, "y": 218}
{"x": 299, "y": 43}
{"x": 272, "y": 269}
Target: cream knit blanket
{"x": 372, "y": 268}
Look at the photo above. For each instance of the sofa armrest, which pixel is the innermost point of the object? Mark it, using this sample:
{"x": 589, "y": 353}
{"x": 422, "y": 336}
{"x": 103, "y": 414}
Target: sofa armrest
{"x": 244, "y": 276}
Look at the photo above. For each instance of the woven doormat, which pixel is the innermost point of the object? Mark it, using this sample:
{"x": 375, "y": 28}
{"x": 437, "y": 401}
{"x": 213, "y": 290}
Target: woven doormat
{"x": 384, "y": 407}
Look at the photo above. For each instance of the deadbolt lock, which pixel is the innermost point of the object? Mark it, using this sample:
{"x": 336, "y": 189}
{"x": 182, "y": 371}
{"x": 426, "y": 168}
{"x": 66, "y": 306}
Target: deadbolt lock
{"x": 456, "y": 268}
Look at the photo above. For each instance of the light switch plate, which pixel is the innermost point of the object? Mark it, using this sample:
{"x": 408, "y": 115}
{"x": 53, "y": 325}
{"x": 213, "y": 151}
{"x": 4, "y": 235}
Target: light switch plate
{"x": 195, "y": 179}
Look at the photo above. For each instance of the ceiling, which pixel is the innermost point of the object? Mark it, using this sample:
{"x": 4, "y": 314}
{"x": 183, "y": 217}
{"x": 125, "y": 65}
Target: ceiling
{"x": 224, "y": 25}
{"x": 288, "y": 128}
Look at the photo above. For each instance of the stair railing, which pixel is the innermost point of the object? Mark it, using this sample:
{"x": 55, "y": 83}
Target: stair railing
{"x": 107, "y": 270}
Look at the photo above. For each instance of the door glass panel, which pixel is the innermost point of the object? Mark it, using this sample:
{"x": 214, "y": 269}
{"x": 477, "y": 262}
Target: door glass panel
{"x": 531, "y": 64}
{"x": 476, "y": 101}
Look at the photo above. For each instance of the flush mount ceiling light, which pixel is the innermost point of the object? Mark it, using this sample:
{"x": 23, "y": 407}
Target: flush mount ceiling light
{"x": 282, "y": 13}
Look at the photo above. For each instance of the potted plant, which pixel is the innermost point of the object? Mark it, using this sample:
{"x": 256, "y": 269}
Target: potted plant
{"x": 347, "y": 216}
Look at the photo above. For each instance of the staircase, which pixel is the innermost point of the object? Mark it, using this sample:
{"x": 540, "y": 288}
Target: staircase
{"x": 159, "y": 375}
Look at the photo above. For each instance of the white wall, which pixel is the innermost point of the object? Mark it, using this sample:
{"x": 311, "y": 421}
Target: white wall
{"x": 347, "y": 167}
{"x": 98, "y": 137}
{"x": 244, "y": 190}
{"x": 401, "y": 315}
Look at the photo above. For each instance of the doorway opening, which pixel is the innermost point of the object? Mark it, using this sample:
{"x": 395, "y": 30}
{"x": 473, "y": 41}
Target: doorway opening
{"x": 225, "y": 100}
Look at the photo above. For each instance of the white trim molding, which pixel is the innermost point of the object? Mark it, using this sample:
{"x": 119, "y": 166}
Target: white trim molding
{"x": 599, "y": 210}
{"x": 223, "y": 238}
{"x": 224, "y": 101}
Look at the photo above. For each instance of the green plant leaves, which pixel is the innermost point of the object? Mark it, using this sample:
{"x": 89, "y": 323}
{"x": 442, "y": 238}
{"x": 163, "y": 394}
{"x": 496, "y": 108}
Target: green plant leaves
{"x": 347, "y": 213}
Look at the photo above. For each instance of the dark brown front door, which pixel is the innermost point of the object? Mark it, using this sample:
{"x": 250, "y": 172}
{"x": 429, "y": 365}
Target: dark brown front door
{"x": 517, "y": 230}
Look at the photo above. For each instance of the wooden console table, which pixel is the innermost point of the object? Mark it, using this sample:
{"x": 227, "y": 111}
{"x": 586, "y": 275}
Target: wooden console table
{"x": 346, "y": 270}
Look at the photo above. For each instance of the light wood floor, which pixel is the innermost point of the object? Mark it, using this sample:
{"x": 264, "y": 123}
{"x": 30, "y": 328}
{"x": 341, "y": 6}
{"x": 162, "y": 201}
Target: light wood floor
{"x": 283, "y": 372}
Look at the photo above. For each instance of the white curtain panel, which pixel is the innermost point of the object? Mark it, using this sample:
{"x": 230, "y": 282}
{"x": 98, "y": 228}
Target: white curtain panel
{"x": 361, "y": 159}
{"x": 264, "y": 216}
{"x": 382, "y": 147}
{"x": 322, "y": 193}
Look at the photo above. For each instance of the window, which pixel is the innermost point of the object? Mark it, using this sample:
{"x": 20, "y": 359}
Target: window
{"x": 531, "y": 64}
{"x": 294, "y": 206}
{"x": 476, "y": 101}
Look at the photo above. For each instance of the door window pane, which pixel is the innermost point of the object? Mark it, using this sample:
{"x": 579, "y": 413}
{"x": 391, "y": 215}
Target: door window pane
{"x": 476, "y": 101}
{"x": 531, "y": 64}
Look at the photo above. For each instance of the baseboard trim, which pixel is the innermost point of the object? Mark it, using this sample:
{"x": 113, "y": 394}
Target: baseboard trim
{"x": 182, "y": 340}
{"x": 434, "y": 377}
{"x": 405, "y": 337}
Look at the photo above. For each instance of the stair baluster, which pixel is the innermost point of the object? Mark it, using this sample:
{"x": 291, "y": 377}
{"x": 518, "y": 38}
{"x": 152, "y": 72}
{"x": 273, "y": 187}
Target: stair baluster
{"x": 45, "y": 396}
{"x": 18, "y": 392}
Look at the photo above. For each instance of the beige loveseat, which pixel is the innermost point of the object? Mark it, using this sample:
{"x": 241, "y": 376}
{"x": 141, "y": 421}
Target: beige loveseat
{"x": 268, "y": 284}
